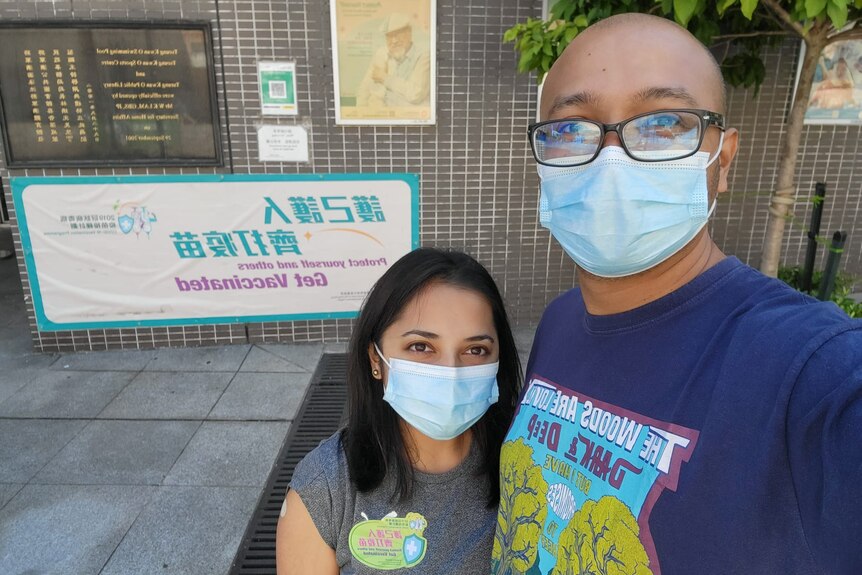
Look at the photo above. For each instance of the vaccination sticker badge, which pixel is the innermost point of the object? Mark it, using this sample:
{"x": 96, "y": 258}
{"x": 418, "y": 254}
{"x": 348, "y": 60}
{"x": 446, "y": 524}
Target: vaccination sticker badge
{"x": 389, "y": 543}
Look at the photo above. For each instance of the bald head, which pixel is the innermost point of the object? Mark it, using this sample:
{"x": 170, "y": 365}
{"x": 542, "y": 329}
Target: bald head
{"x": 665, "y": 59}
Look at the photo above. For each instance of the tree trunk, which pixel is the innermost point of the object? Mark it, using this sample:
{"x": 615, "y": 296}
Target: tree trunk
{"x": 784, "y": 195}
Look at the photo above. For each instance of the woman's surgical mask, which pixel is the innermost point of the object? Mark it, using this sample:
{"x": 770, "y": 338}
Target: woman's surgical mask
{"x": 441, "y": 402}
{"x": 617, "y": 216}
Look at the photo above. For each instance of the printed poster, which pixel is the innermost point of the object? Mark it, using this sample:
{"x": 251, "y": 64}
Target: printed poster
{"x": 108, "y": 252}
{"x": 578, "y": 481}
{"x": 384, "y": 62}
{"x": 836, "y": 95}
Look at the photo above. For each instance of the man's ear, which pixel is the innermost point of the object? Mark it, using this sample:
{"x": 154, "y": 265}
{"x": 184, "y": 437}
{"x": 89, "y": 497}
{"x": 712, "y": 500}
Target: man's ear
{"x": 376, "y": 363}
{"x": 726, "y": 156}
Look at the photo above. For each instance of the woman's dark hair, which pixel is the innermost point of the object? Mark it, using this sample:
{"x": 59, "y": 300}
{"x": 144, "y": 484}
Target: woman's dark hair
{"x": 372, "y": 439}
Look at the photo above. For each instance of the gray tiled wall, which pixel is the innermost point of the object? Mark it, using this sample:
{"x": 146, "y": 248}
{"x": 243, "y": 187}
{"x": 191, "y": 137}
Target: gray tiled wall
{"x": 478, "y": 184}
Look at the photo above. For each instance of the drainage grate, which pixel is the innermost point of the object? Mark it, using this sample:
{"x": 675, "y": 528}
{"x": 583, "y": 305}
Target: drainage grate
{"x": 321, "y": 414}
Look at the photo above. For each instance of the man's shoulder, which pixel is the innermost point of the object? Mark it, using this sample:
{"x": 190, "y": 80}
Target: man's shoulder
{"x": 768, "y": 300}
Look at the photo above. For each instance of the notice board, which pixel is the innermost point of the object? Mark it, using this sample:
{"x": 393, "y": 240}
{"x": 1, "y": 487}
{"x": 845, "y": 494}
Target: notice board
{"x": 108, "y": 93}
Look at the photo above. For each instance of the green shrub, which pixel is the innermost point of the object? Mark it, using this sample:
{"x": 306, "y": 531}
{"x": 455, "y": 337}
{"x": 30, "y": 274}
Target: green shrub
{"x": 840, "y": 295}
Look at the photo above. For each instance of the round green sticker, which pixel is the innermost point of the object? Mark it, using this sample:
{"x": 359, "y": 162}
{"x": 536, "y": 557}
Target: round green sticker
{"x": 389, "y": 543}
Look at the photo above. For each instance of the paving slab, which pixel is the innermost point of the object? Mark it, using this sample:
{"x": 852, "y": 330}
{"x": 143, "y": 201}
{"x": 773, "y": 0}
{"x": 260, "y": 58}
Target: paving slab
{"x": 224, "y": 453}
{"x": 78, "y": 394}
{"x": 28, "y": 444}
{"x": 16, "y": 342}
{"x": 219, "y": 358}
{"x": 19, "y": 370}
{"x": 13, "y": 379}
{"x": 119, "y": 453}
{"x": 26, "y": 360}
{"x": 110, "y": 360}
{"x": 283, "y": 358}
{"x": 262, "y": 396}
{"x": 168, "y": 395}
{"x": 186, "y": 531}
{"x": 8, "y": 491}
{"x": 72, "y": 530}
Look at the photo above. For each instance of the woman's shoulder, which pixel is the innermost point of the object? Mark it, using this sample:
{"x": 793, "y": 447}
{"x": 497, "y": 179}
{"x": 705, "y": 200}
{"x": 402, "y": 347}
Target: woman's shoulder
{"x": 325, "y": 463}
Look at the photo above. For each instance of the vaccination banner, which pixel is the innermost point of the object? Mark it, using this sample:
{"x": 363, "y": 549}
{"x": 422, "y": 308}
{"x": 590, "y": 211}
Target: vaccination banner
{"x": 109, "y": 252}
{"x": 384, "y": 61}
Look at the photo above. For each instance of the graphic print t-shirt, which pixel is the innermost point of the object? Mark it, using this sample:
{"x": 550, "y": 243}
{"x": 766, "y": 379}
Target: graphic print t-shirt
{"x": 687, "y": 436}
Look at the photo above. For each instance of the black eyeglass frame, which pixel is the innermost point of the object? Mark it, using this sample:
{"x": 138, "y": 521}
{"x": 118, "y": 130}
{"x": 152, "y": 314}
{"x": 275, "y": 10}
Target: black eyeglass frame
{"x": 707, "y": 119}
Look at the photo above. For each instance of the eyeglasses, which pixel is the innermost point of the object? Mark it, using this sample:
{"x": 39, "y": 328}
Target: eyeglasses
{"x": 653, "y": 137}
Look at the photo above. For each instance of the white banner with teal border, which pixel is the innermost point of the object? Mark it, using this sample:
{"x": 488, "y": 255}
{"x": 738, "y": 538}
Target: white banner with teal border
{"x": 134, "y": 251}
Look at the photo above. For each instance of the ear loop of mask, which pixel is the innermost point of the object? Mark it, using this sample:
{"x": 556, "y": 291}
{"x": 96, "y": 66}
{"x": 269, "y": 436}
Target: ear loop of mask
{"x": 708, "y": 164}
{"x": 380, "y": 353}
{"x": 718, "y": 150}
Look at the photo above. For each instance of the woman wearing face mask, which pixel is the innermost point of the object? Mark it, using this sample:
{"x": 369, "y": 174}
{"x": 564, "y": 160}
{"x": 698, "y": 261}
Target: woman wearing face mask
{"x": 412, "y": 480}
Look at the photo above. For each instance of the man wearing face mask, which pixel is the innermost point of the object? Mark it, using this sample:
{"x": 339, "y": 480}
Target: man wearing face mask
{"x": 683, "y": 413}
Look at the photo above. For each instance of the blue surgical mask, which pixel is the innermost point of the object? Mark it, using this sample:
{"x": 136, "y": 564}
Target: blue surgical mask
{"x": 441, "y": 402}
{"x": 616, "y": 216}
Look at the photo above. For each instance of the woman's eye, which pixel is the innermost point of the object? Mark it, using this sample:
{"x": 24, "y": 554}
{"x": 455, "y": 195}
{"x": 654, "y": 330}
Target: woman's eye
{"x": 419, "y": 347}
{"x": 478, "y": 350}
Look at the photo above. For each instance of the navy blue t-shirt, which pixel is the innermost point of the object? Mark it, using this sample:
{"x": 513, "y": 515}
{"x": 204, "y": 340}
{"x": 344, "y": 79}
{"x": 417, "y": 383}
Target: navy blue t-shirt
{"x": 715, "y": 430}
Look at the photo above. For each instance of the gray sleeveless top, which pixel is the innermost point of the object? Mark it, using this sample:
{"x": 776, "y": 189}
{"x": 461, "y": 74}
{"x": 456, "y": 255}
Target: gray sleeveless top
{"x": 445, "y": 528}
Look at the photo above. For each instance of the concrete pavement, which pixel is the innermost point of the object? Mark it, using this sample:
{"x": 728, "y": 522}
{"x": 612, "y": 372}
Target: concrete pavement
{"x": 136, "y": 461}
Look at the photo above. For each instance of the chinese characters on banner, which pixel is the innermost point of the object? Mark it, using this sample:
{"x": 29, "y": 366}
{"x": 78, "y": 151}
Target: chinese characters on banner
{"x": 168, "y": 250}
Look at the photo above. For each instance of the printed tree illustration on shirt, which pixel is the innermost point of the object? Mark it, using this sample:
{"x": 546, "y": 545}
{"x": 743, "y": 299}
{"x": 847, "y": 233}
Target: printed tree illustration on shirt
{"x": 522, "y": 509}
{"x": 602, "y": 539}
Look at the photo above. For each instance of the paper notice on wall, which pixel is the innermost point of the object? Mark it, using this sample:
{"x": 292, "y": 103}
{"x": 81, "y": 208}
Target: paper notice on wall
{"x": 282, "y": 144}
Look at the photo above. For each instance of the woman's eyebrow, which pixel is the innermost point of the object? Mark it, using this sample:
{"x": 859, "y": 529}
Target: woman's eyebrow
{"x": 480, "y": 337}
{"x": 432, "y": 335}
{"x": 420, "y": 333}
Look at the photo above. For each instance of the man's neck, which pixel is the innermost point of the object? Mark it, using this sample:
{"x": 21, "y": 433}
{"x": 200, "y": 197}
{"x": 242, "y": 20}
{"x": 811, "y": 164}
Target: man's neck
{"x": 604, "y": 296}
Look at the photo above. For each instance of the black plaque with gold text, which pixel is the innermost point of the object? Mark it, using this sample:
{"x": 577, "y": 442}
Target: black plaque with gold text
{"x": 83, "y": 93}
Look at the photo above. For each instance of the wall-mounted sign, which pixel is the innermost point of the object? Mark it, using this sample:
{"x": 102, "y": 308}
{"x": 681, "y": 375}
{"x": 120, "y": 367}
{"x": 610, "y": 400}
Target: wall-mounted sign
{"x": 89, "y": 93}
{"x": 282, "y": 144}
{"x": 384, "y": 62}
{"x": 107, "y": 252}
{"x": 277, "y": 82}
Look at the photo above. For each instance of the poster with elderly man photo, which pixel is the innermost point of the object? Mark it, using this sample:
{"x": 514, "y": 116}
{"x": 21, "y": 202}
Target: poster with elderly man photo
{"x": 383, "y": 61}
